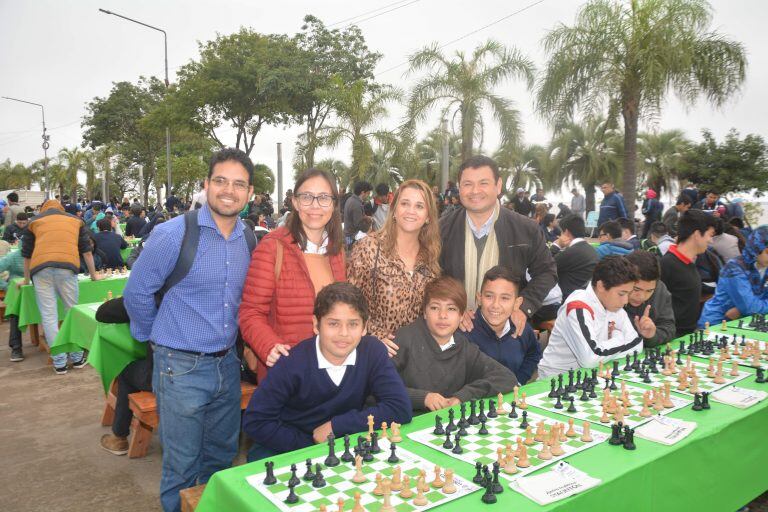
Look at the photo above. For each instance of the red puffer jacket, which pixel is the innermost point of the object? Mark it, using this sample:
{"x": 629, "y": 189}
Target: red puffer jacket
{"x": 273, "y": 313}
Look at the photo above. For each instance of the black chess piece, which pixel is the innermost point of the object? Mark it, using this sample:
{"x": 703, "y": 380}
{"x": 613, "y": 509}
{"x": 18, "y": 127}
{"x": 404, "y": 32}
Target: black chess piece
{"x": 486, "y": 476}
{"x": 553, "y": 389}
{"x": 558, "y": 403}
{"x": 705, "y": 400}
{"x": 496, "y": 486}
{"x": 462, "y": 423}
{"x": 332, "y": 460}
{"x": 483, "y": 431}
{"x": 572, "y": 407}
{"x": 270, "y": 479}
{"x": 584, "y": 395}
{"x": 570, "y": 387}
{"x": 309, "y": 475}
{"x": 512, "y": 411}
{"x": 615, "y": 439}
{"x": 439, "y": 430}
{"x": 613, "y": 384}
{"x": 375, "y": 448}
{"x": 319, "y": 481}
{"x": 635, "y": 360}
{"x": 481, "y": 415}
{"x": 367, "y": 453}
{"x": 478, "y": 478}
{"x": 741, "y": 323}
{"x": 451, "y": 426}
{"x": 560, "y": 388}
{"x": 628, "y": 365}
{"x": 760, "y": 374}
{"x": 347, "y": 455}
{"x": 579, "y": 383}
{"x": 592, "y": 392}
{"x": 492, "y": 408}
{"x": 646, "y": 377}
{"x": 462, "y": 431}
{"x": 696, "y": 402}
{"x": 447, "y": 444}
{"x": 629, "y": 438}
{"x": 393, "y": 458}
{"x": 524, "y": 423}
{"x": 292, "y": 497}
{"x": 679, "y": 358}
{"x": 489, "y": 498}
{"x": 457, "y": 449}
{"x": 607, "y": 383}
{"x": 473, "y": 413}
{"x": 294, "y": 479}
{"x": 615, "y": 372}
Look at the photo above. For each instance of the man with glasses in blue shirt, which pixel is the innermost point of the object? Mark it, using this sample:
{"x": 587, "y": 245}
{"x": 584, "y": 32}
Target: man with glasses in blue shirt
{"x": 196, "y": 374}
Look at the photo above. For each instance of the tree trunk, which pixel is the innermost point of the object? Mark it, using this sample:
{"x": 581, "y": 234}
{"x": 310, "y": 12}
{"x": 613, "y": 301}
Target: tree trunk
{"x": 629, "y": 187}
{"x": 589, "y": 196}
{"x": 467, "y": 133}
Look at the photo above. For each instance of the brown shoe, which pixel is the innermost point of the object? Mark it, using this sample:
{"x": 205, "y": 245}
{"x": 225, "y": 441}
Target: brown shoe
{"x": 114, "y": 445}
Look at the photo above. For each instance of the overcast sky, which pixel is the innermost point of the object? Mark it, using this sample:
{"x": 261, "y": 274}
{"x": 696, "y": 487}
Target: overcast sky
{"x": 62, "y": 53}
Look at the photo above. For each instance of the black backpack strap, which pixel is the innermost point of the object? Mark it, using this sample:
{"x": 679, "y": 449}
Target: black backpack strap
{"x": 250, "y": 238}
{"x": 186, "y": 255}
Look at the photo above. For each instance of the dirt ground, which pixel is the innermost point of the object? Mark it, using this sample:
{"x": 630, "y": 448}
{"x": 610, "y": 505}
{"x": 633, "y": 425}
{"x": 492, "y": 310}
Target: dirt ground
{"x": 50, "y": 457}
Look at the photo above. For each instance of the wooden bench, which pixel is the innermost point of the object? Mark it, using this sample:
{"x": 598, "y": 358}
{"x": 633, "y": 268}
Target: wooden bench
{"x": 191, "y": 497}
{"x": 145, "y": 419}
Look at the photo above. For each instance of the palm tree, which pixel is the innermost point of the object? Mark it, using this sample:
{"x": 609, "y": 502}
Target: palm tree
{"x": 72, "y": 160}
{"x": 521, "y": 167}
{"x": 464, "y": 87}
{"x": 627, "y": 55}
{"x": 661, "y": 157}
{"x": 585, "y": 153}
{"x": 338, "y": 170}
{"x": 360, "y": 111}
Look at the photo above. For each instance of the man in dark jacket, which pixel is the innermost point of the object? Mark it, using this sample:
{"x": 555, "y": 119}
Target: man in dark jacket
{"x": 136, "y": 221}
{"x": 651, "y": 297}
{"x": 483, "y": 235}
{"x": 612, "y": 207}
{"x": 353, "y": 211}
{"x": 576, "y": 258}
{"x": 15, "y": 231}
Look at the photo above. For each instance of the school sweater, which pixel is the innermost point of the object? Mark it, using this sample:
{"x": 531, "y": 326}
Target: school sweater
{"x": 682, "y": 279}
{"x": 520, "y": 355}
{"x": 462, "y": 371}
{"x": 297, "y": 396}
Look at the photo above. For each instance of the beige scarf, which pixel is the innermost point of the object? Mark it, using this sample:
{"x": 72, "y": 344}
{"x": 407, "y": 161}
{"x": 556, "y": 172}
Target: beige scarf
{"x": 474, "y": 270}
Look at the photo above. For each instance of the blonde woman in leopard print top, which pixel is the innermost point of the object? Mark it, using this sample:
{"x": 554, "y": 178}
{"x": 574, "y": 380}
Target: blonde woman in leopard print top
{"x": 395, "y": 264}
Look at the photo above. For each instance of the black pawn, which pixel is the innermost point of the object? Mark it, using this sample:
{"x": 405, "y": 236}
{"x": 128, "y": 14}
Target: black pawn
{"x": 447, "y": 444}
{"x": 628, "y": 365}
{"x": 524, "y": 423}
{"x": 629, "y": 438}
{"x": 309, "y": 475}
{"x": 393, "y": 458}
{"x": 696, "y": 402}
{"x": 439, "y": 430}
{"x": 463, "y": 423}
{"x": 579, "y": 383}
{"x": 647, "y": 377}
{"x": 473, "y": 413}
{"x": 347, "y": 455}
{"x": 451, "y": 425}
{"x": 457, "y": 449}
{"x": 592, "y": 393}
{"x": 512, "y": 411}
{"x": 760, "y": 376}
{"x": 496, "y": 486}
{"x": 559, "y": 403}
{"x": 572, "y": 407}
{"x": 483, "y": 431}
{"x": 291, "y": 498}
{"x": 705, "y": 400}
{"x": 478, "y": 478}
{"x": 584, "y": 395}
{"x": 492, "y": 409}
{"x": 481, "y": 416}
{"x": 332, "y": 460}
{"x": 553, "y": 389}
{"x": 613, "y": 384}
{"x": 489, "y": 497}
{"x": 270, "y": 479}
{"x": 319, "y": 481}
{"x": 462, "y": 431}
{"x": 615, "y": 371}
{"x": 294, "y": 479}
{"x": 375, "y": 448}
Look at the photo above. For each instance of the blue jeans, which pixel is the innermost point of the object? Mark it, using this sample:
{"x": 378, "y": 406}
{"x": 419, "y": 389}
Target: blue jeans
{"x": 198, "y": 401}
{"x": 49, "y": 283}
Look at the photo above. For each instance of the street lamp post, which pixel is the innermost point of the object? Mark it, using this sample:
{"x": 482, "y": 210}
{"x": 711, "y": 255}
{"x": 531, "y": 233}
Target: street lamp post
{"x": 167, "y": 83}
{"x": 46, "y": 143}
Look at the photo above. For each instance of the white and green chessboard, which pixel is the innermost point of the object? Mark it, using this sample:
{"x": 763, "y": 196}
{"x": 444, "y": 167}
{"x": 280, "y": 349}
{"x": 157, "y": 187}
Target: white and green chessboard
{"x": 339, "y": 484}
{"x": 592, "y": 409}
{"x": 747, "y": 362}
{"x": 503, "y": 430}
{"x": 705, "y": 383}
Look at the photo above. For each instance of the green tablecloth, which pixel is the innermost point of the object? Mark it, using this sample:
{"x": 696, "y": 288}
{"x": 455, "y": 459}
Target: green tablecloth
{"x": 719, "y": 467}
{"x": 111, "y": 346}
{"x": 22, "y": 302}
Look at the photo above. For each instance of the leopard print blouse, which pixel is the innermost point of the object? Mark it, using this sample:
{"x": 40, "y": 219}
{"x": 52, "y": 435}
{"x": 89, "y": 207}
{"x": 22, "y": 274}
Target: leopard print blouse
{"x": 398, "y": 294}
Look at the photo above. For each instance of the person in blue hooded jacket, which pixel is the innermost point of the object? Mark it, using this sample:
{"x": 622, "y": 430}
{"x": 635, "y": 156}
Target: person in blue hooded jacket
{"x": 611, "y": 243}
{"x": 612, "y": 206}
{"x": 742, "y": 288}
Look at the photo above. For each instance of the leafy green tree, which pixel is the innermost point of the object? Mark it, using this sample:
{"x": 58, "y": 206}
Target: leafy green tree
{"x": 521, "y": 167}
{"x": 428, "y": 153}
{"x": 734, "y": 165}
{"x": 627, "y": 56}
{"x": 463, "y": 88}
{"x": 15, "y": 176}
{"x": 334, "y": 58}
{"x": 338, "y": 170}
{"x": 245, "y": 80}
{"x": 584, "y": 153}
{"x": 661, "y": 157}
{"x": 72, "y": 161}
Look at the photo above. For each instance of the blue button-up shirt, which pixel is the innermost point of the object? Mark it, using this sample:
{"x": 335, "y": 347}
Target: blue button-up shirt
{"x": 200, "y": 312}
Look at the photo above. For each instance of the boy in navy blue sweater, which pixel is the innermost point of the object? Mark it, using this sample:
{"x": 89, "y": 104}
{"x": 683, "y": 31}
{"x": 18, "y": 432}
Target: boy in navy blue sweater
{"x": 495, "y": 335}
{"x": 322, "y": 386}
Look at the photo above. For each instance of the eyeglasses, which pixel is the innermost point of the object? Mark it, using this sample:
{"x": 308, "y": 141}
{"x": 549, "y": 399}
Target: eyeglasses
{"x": 323, "y": 200}
{"x": 222, "y": 182}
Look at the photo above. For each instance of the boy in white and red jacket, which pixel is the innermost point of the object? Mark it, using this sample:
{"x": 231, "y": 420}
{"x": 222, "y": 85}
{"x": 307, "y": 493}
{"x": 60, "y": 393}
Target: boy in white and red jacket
{"x": 592, "y": 326}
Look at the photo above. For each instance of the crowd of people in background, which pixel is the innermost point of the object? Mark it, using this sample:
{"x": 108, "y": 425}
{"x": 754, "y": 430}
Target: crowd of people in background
{"x": 374, "y": 301}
